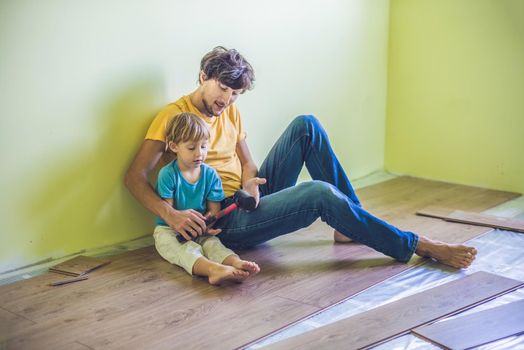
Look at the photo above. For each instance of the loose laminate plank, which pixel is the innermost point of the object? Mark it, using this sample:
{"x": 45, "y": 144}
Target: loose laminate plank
{"x": 465, "y": 332}
{"x": 474, "y": 218}
{"x": 378, "y": 325}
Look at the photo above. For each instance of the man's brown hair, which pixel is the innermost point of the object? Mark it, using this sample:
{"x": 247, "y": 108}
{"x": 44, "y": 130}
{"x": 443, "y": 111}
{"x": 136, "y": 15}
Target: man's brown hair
{"x": 229, "y": 67}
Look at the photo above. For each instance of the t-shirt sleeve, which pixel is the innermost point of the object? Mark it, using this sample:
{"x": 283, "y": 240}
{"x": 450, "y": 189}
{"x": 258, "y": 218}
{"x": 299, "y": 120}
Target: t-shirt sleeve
{"x": 238, "y": 124}
{"x": 216, "y": 193}
{"x": 166, "y": 185}
{"x": 157, "y": 129}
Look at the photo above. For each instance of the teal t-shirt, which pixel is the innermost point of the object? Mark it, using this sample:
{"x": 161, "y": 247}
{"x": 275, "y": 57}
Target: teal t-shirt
{"x": 185, "y": 195}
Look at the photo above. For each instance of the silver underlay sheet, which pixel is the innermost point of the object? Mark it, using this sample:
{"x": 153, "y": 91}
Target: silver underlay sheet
{"x": 499, "y": 252}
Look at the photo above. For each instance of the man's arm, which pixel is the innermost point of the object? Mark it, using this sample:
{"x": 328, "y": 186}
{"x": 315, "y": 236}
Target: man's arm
{"x": 250, "y": 181}
{"x": 187, "y": 222}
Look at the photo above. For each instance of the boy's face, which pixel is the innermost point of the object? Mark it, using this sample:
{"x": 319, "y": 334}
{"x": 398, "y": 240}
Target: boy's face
{"x": 216, "y": 97}
{"x": 190, "y": 154}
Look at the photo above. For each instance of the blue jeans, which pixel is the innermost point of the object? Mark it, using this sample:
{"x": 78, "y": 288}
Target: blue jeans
{"x": 286, "y": 207}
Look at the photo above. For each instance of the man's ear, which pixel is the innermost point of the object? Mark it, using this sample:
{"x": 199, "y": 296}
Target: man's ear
{"x": 172, "y": 146}
{"x": 202, "y": 77}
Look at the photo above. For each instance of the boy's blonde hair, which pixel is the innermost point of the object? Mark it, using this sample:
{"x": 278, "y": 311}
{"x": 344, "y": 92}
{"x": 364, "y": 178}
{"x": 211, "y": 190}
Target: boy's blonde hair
{"x": 186, "y": 127}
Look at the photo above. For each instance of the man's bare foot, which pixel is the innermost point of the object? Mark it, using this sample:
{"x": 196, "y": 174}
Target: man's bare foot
{"x": 340, "y": 238}
{"x": 454, "y": 255}
{"x": 221, "y": 273}
{"x": 249, "y": 266}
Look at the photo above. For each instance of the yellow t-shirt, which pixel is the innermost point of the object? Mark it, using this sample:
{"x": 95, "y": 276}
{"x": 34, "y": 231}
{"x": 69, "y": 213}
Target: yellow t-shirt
{"x": 226, "y": 132}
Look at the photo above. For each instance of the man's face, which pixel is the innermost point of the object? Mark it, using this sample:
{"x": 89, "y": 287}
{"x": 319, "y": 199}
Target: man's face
{"x": 216, "y": 97}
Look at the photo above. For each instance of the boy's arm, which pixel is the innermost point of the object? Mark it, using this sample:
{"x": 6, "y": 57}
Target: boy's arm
{"x": 214, "y": 196}
{"x": 187, "y": 222}
{"x": 213, "y": 208}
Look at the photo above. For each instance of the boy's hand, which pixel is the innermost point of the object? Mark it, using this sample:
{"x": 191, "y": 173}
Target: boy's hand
{"x": 212, "y": 231}
{"x": 189, "y": 223}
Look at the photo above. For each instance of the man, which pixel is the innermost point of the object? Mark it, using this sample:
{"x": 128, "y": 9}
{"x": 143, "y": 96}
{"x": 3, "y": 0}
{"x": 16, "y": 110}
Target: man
{"x": 283, "y": 207}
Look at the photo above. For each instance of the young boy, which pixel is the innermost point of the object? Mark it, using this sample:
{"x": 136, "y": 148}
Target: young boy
{"x": 188, "y": 184}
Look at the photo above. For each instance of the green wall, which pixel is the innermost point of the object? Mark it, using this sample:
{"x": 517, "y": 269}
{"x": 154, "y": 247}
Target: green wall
{"x": 455, "y": 109}
{"x": 80, "y": 81}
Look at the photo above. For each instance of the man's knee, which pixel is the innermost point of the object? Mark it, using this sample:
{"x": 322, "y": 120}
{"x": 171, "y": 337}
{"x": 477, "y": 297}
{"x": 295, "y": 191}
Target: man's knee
{"x": 306, "y": 122}
{"x": 321, "y": 192}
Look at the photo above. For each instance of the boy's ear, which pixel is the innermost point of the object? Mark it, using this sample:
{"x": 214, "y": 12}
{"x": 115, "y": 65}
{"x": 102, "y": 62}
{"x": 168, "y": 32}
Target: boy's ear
{"x": 172, "y": 146}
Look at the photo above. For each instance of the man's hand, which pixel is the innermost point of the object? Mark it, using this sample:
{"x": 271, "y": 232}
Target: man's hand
{"x": 251, "y": 186}
{"x": 189, "y": 223}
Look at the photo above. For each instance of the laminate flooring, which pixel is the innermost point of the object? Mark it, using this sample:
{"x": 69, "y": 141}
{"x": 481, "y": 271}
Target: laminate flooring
{"x": 375, "y": 326}
{"x": 466, "y": 332}
{"x": 141, "y": 301}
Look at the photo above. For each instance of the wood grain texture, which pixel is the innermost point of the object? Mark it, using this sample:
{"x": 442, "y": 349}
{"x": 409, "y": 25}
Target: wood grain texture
{"x": 375, "y": 326}
{"x": 479, "y": 219}
{"x": 479, "y": 328}
{"x": 79, "y": 265}
{"x": 10, "y": 321}
{"x": 140, "y": 299}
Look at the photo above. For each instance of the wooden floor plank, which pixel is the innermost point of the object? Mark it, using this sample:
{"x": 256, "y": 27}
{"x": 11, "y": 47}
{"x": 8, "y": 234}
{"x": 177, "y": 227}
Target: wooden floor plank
{"x": 108, "y": 298}
{"x": 139, "y": 298}
{"x": 41, "y": 301}
{"x": 479, "y": 328}
{"x": 31, "y": 288}
{"x": 141, "y": 322}
{"x": 10, "y": 322}
{"x": 236, "y": 321}
{"x": 478, "y": 219}
{"x": 338, "y": 270}
{"x": 375, "y": 326}
{"x": 397, "y": 201}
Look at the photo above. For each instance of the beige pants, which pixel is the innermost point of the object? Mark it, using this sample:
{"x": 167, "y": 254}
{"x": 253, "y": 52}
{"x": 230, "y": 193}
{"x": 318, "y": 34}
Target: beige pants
{"x": 186, "y": 254}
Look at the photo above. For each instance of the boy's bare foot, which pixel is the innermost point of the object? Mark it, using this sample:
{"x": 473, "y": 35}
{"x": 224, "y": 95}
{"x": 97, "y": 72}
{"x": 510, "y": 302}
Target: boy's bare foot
{"x": 340, "y": 238}
{"x": 454, "y": 255}
{"x": 221, "y": 273}
{"x": 249, "y": 266}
